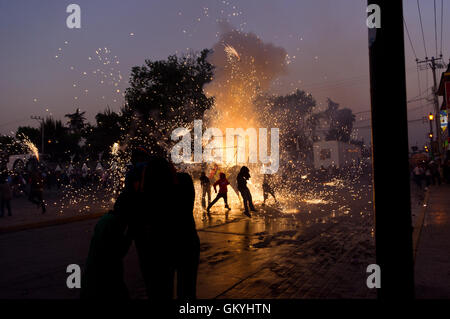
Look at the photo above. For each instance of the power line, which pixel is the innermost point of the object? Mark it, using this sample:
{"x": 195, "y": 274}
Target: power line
{"x": 421, "y": 26}
{"x": 369, "y": 126}
{"x": 442, "y": 21}
{"x": 435, "y": 28}
{"x": 418, "y": 80}
{"x": 409, "y": 37}
{"x": 336, "y": 84}
{"x": 419, "y": 107}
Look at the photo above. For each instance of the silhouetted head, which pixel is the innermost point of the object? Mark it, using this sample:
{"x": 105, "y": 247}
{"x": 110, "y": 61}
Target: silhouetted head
{"x": 159, "y": 176}
{"x": 203, "y": 174}
{"x": 139, "y": 155}
{"x": 245, "y": 172}
{"x": 222, "y": 176}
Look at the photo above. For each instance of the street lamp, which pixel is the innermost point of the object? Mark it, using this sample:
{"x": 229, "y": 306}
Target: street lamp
{"x": 430, "y": 135}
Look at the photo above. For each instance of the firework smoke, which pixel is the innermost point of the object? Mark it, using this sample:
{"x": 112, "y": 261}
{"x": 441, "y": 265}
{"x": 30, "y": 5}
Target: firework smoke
{"x": 245, "y": 66}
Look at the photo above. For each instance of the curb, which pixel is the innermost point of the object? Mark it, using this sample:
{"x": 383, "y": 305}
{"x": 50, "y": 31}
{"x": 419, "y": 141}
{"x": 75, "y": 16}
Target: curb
{"x": 419, "y": 224}
{"x": 54, "y": 222}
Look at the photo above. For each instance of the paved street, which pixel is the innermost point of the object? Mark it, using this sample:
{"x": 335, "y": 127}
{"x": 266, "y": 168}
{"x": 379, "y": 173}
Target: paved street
{"x": 432, "y": 268}
{"x": 318, "y": 250}
{"x": 60, "y": 206}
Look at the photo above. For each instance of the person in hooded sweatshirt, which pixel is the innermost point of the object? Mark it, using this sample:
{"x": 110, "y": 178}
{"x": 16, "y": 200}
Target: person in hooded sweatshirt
{"x": 223, "y": 183}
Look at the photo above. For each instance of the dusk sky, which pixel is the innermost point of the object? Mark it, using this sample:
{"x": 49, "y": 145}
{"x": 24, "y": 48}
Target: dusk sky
{"x": 48, "y": 69}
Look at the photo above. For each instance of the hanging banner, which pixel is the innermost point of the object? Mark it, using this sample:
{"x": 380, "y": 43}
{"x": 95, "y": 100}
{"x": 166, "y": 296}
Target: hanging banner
{"x": 443, "y": 120}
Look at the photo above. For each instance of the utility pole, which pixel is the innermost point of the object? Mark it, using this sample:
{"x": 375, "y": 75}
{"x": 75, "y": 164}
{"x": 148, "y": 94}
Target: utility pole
{"x": 390, "y": 156}
{"x": 430, "y": 135}
{"x": 41, "y": 120}
{"x": 433, "y": 64}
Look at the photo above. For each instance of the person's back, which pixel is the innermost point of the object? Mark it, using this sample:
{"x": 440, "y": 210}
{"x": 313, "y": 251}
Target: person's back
{"x": 417, "y": 171}
{"x": 187, "y": 247}
{"x": 151, "y": 208}
{"x": 185, "y": 205}
{"x": 5, "y": 190}
{"x": 243, "y": 176}
{"x": 103, "y": 277}
{"x": 37, "y": 183}
{"x": 241, "y": 181}
{"x": 222, "y": 182}
{"x": 204, "y": 181}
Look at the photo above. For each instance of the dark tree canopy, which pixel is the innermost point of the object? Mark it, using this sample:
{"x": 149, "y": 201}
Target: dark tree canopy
{"x": 167, "y": 93}
{"x": 292, "y": 114}
{"x": 100, "y": 137}
{"x": 59, "y": 142}
{"x": 76, "y": 120}
{"x": 341, "y": 122}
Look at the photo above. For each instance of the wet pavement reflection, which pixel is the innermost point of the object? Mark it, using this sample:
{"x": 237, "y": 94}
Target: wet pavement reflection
{"x": 300, "y": 239}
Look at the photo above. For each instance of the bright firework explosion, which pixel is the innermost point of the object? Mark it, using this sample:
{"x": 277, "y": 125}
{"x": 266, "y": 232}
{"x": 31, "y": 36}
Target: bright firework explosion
{"x": 245, "y": 67}
{"x": 31, "y": 147}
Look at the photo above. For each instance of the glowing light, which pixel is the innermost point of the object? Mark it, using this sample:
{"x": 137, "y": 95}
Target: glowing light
{"x": 231, "y": 52}
{"x": 316, "y": 201}
{"x": 31, "y": 147}
{"x": 114, "y": 148}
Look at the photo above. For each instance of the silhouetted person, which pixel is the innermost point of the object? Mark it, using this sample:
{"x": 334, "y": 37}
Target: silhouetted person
{"x": 162, "y": 200}
{"x": 418, "y": 175}
{"x": 103, "y": 277}
{"x": 150, "y": 205}
{"x": 37, "y": 190}
{"x": 206, "y": 189}
{"x": 223, "y": 190}
{"x": 243, "y": 176}
{"x": 428, "y": 175}
{"x": 139, "y": 158}
{"x": 446, "y": 171}
{"x": 267, "y": 189}
{"x": 187, "y": 250}
{"x": 436, "y": 176}
{"x": 5, "y": 195}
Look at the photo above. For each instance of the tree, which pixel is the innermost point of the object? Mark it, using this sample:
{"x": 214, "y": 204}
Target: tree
{"x": 59, "y": 141}
{"x": 292, "y": 114}
{"x": 107, "y": 131}
{"x": 76, "y": 120}
{"x": 166, "y": 94}
{"x": 8, "y": 146}
{"x": 341, "y": 122}
{"x": 341, "y": 126}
